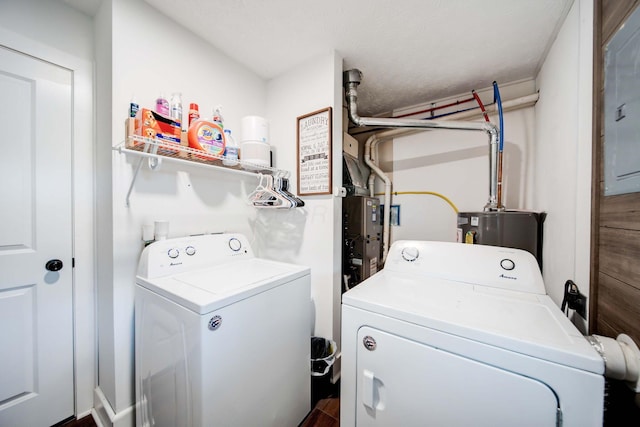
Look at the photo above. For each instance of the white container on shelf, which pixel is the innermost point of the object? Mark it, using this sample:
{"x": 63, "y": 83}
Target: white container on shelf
{"x": 254, "y": 146}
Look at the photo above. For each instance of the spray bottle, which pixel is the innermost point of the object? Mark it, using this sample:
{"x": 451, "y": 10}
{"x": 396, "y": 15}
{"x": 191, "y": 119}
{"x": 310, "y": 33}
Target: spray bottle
{"x": 231, "y": 150}
{"x": 217, "y": 115}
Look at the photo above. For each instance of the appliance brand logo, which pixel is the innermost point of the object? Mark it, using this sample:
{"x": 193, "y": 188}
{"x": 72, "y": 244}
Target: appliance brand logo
{"x": 174, "y": 263}
{"x": 508, "y": 277}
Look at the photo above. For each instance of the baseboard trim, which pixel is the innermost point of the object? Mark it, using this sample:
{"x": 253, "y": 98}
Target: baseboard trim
{"x": 105, "y": 416}
{"x": 96, "y": 418}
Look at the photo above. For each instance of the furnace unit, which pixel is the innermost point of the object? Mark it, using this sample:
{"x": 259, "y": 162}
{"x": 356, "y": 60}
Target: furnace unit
{"x": 361, "y": 233}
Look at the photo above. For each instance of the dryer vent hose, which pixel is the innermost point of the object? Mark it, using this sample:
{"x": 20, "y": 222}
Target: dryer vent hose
{"x": 621, "y": 358}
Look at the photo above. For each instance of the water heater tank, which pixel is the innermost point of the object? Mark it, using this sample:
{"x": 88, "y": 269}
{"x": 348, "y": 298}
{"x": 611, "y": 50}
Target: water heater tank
{"x": 511, "y": 229}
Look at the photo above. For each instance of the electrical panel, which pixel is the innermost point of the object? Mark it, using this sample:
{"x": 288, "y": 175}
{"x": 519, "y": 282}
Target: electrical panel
{"x": 622, "y": 110}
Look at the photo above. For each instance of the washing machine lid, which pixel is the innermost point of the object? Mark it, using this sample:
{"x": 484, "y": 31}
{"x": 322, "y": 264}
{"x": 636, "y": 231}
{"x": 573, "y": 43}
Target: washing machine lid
{"x": 522, "y": 322}
{"x": 207, "y": 289}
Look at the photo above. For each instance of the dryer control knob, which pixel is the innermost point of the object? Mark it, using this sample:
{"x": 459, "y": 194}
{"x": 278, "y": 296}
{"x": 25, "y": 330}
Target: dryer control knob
{"x": 190, "y": 250}
{"x": 507, "y": 264}
{"x": 173, "y": 253}
{"x": 410, "y": 253}
{"x": 235, "y": 244}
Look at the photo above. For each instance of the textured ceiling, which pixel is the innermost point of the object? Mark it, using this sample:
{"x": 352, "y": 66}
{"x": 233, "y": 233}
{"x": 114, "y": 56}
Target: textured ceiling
{"x": 410, "y": 51}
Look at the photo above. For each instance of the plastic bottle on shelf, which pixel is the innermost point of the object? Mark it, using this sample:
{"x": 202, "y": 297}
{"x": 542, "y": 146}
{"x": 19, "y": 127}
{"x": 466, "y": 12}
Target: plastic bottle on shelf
{"x": 194, "y": 113}
{"x": 176, "y": 106}
{"x": 162, "y": 105}
{"x": 130, "y": 123}
{"x": 133, "y": 107}
{"x": 231, "y": 150}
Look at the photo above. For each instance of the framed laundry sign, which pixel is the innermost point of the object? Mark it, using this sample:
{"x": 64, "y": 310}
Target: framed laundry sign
{"x": 314, "y": 152}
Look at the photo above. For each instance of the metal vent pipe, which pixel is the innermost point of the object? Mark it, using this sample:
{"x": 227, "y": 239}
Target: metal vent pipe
{"x": 351, "y": 80}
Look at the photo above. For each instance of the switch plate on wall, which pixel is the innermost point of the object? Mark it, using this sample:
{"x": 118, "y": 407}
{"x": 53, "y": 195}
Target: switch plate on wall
{"x": 394, "y": 215}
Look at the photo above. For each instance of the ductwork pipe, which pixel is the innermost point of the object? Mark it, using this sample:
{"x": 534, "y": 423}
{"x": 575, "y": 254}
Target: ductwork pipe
{"x": 351, "y": 80}
{"x": 621, "y": 358}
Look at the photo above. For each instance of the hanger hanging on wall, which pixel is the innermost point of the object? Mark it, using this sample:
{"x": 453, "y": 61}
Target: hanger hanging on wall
{"x": 272, "y": 192}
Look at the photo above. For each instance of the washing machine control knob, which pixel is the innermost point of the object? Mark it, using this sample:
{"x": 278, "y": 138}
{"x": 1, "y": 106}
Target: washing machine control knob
{"x": 235, "y": 244}
{"x": 190, "y": 250}
{"x": 507, "y": 264}
{"x": 410, "y": 253}
{"x": 173, "y": 253}
{"x": 215, "y": 322}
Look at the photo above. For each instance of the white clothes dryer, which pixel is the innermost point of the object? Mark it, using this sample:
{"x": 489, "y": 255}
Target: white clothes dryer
{"x": 449, "y": 334}
{"x": 221, "y": 337}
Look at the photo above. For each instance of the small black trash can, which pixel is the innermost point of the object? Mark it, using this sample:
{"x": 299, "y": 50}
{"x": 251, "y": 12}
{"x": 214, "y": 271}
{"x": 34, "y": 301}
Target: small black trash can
{"x": 323, "y": 353}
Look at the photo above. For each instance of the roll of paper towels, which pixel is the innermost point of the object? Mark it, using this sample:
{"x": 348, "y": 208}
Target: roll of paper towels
{"x": 255, "y": 128}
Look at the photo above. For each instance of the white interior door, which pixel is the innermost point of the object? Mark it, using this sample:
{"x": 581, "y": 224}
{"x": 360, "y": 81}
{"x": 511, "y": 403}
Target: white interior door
{"x": 36, "y": 329}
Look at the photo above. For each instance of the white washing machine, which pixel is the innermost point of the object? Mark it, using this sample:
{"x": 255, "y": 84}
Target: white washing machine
{"x": 463, "y": 335}
{"x": 222, "y": 337}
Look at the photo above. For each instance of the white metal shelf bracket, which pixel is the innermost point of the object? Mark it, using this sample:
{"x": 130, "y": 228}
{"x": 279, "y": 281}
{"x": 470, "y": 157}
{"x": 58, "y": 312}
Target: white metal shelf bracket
{"x": 148, "y": 148}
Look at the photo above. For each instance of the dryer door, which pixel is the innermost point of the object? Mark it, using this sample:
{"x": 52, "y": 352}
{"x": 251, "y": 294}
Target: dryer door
{"x": 405, "y": 383}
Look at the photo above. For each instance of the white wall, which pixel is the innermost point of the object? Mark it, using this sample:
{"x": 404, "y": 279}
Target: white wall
{"x": 311, "y": 235}
{"x": 33, "y": 27}
{"x": 104, "y": 243}
{"x": 563, "y": 152}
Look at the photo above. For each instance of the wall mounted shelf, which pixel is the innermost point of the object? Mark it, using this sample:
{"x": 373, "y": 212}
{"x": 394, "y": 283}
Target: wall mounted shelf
{"x": 156, "y": 151}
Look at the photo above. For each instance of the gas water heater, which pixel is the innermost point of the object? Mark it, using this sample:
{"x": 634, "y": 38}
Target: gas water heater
{"x": 509, "y": 228}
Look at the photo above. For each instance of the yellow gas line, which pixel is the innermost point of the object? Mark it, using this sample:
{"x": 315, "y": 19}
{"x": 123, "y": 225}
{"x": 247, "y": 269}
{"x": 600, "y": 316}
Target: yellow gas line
{"x": 430, "y": 193}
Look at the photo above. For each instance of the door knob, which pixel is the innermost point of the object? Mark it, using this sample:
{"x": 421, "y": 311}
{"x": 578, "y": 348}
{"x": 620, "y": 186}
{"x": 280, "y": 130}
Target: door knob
{"x": 53, "y": 265}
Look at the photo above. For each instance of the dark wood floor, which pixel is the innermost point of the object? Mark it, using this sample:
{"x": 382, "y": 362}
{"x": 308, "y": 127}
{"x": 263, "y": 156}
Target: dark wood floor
{"x": 82, "y": 422}
{"x": 325, "y": 414}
